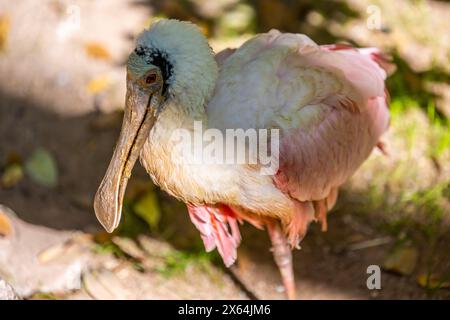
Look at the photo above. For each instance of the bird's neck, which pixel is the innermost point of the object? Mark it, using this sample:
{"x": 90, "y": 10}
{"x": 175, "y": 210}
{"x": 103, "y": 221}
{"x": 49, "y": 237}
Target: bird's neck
{"x": 164, "y": 160}
{"x": 179, "y": 116}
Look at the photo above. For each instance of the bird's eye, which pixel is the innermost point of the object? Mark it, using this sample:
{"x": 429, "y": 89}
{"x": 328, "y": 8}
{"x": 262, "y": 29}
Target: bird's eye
{"x": 150, "y": 78}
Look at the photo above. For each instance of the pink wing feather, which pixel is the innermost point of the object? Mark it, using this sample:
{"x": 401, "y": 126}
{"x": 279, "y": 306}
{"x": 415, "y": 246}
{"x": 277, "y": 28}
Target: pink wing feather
{"x": 218, "y": 228}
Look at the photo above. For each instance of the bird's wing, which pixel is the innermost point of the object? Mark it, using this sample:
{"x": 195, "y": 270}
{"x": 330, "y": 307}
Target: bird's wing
{"x": 274, "y": 79}
{"x": 329, "y": 103}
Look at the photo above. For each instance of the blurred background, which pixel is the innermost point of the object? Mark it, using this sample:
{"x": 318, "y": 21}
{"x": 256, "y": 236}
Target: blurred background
{"x": 62, "y": 89}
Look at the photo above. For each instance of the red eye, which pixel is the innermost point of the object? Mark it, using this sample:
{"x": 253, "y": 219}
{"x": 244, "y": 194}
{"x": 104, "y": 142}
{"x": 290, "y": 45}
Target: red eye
{"x": 150, "y": 78}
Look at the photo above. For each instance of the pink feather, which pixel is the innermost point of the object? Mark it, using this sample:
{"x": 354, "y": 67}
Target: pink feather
{"x": 218, "y": 228}
{"x": 314, "y": 162}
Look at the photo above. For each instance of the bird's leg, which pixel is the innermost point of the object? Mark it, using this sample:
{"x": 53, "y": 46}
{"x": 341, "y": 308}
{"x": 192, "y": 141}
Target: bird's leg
{"x": 283, "y": 258}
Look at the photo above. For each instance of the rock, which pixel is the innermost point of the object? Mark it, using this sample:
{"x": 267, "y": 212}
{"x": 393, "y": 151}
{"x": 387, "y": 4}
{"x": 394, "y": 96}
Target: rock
{"x": 154, "y": 247}
{"x": 129, "y": 246}
{"x": 37, "y": 259}
{"x": 6, "y": 291}
{"x": 104, "y": 285}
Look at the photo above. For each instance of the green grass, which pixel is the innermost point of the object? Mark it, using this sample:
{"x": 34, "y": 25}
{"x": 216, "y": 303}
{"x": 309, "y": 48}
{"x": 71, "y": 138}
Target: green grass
{"x": 178, "y": 262}
{"x": 108, "y": 247}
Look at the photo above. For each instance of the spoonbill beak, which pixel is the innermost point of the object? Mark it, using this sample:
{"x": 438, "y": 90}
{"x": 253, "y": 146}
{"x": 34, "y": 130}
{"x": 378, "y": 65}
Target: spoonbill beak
{"x": 141, "y": 112}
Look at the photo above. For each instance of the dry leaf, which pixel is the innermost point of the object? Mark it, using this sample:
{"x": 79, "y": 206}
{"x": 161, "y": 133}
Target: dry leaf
{"x": 13, "y": 175}
{"x": 4, "y": 32}
{"x": 97, "y": 51}
{"x": 6, "y": 227}
{"x": 433, "y": 281}
{"x": 402, "y": 260}
{"x": 98, "y": 84}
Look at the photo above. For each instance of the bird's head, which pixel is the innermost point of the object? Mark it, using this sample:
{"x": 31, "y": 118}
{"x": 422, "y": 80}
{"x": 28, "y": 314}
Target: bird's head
{"x": 172, "y": 63}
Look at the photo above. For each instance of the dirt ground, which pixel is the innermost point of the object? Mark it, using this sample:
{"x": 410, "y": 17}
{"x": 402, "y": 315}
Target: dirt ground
{"x": 45, "y": 102}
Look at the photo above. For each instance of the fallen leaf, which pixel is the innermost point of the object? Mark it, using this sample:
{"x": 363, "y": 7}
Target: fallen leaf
{"x": 13, "y": 175}
{"x": 98, "y": 84}
{"x": 147, "y": 208}
{"x": 433, "y": 281}
{"x": 41, "y": 167}
{"x": 97, "y": 51}
{"x": 6, "y": 227}
{"x": 401, "y": 260}
{"x": 4, "y": 32}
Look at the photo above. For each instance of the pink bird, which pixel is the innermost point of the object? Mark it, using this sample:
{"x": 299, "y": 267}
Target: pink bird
{"x": 328, "y": 103}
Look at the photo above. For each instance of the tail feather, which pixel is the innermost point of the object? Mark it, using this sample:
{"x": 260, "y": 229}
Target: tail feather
{"x": 303, "y": 216}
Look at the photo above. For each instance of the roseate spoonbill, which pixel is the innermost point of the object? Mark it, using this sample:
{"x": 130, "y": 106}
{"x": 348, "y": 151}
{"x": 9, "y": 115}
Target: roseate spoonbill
{"x": 329, "y": 103}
